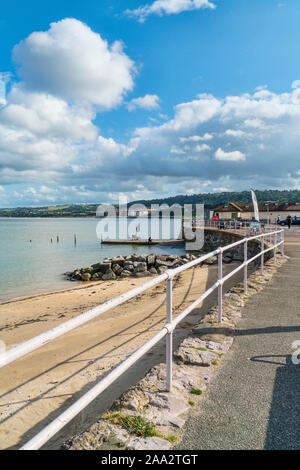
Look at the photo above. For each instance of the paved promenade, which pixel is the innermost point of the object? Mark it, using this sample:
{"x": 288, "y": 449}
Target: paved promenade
{"x": 254, "y": 402}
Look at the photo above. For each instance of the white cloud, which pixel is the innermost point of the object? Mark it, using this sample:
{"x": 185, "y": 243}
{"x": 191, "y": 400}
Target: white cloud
{"x": 49, "y": 137}
{"x": 73, "y": 62}
{"x": 46, "y": 122}
{"x": 296, "y": 84}
{"x": 146, "y": 102}
{"x": 255, "y": 123}
{"x": 196, "y": 138}
{"x": 189, "y": 115}
{"x": 234, "y": 133}
{"x": 235, "y": 156}
{"x": 202, "y": 148}
{"x": 275, "y": 118}
{"x": 44, "y": 114}
{"x": 177, "y": 150}
{"x": 168, "y": 7}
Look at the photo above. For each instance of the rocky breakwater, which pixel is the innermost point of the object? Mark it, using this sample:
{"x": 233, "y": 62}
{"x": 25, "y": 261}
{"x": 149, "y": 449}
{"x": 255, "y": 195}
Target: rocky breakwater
{"x": 130, "y": 266}
{"x": 152, "y": 264}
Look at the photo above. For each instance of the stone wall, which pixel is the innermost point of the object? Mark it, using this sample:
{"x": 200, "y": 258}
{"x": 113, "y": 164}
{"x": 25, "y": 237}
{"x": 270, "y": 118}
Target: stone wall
{"x": 214, "y": 238}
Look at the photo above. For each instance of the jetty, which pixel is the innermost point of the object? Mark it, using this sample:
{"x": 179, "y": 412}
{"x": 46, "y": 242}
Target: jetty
{"x": 143, "y": 242}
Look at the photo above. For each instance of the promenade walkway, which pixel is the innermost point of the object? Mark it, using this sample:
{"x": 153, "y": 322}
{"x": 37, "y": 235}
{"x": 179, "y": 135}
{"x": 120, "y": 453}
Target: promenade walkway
{"x": 254, "y": 401}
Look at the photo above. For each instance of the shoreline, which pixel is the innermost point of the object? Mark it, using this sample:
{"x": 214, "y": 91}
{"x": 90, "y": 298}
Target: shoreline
{"x": 34, "y": 295}
{"x": 54, "y": 287}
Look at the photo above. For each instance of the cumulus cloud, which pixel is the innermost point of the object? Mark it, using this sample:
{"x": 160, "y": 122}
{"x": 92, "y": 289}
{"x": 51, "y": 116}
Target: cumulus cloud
{"x": 145, "y": 102}
{"x": 73, "y": 62}
{"x": 168, "y": 7}
{"x": 177, "y": 150}
{"x": 202, "y": 147}
{"x": 265, "y": 123}
{"x": 235, "y": 132}
{"x": 196, "y": 138}
{"x": 44, "y": 114}
{"x": 69, "y": 74}
{"x": 235, "y": 156}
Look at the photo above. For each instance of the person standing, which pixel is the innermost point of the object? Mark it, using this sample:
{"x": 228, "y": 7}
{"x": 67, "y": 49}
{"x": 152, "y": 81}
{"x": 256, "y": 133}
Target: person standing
{"x": 289, "y": 221}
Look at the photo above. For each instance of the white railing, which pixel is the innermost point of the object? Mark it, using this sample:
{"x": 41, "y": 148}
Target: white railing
{"x": 241, "y": 226}
{"x": 27, "y": 347}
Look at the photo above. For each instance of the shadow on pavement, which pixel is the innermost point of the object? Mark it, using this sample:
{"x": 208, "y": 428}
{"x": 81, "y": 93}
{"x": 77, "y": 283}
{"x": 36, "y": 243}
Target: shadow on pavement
{"x": 283, "y": 432}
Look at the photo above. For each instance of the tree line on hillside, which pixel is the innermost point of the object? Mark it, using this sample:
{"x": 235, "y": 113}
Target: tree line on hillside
{"x": 210, "y": 200}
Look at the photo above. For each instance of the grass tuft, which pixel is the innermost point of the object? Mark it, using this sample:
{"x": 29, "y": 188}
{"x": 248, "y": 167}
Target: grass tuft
{"x": 171, "y": 438}
{"x": 196, "y": 391}
{"x": 137, "y": 425}
{"x": 210, "y": 350}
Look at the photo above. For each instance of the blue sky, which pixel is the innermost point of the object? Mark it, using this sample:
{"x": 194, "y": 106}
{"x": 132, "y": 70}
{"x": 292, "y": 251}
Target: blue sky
{"x": 147, "y": 99}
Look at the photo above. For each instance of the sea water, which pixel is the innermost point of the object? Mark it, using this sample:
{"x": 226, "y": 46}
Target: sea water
{"x": 30, "y": 263}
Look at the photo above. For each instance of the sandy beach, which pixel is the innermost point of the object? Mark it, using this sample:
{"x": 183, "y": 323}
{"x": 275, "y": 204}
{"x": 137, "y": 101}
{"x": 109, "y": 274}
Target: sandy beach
{"x": 36, "y": 389}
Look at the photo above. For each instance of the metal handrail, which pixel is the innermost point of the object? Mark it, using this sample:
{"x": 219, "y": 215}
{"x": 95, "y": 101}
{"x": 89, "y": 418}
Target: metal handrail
{"x": 25, "y": 348}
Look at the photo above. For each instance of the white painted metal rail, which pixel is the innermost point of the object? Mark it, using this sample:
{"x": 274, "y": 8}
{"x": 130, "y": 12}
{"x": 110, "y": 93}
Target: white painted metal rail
{"x": 29, "y": 346}
{"x": 243, "y": 227}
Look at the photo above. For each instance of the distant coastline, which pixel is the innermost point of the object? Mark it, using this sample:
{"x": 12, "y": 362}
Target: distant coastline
{"x": 210, "y": 200}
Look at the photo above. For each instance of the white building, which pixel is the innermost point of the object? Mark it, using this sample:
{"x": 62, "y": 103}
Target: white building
{"x": 268, "y": 211}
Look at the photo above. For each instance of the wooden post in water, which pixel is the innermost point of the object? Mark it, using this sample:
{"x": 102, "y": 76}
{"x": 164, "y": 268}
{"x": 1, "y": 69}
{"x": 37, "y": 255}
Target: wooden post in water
{"x": 75, "y": 240}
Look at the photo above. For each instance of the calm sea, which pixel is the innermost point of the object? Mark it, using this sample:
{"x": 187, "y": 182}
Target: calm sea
{"x": 38, "y": 265}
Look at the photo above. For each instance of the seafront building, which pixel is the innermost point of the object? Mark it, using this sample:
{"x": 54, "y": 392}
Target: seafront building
{"x": 268, "y": 211}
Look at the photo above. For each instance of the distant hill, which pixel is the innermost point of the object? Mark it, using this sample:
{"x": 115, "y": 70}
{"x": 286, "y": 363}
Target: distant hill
{"x": 210, "y": 200}
{"x": 71, "y": 210}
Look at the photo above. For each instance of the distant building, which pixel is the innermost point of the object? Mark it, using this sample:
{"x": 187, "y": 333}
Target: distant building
{"x": 268, "y": 211}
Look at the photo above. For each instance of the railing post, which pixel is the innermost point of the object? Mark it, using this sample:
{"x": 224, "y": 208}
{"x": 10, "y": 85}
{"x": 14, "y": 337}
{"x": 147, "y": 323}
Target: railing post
{"x": 169, "y": 339}
{"x": 262, "y": 255}
{"x": 246, "y": 265}
{"x": 275, "y": 248}
{"x": 220, "y": 288}
{"x": 282, "y": 242}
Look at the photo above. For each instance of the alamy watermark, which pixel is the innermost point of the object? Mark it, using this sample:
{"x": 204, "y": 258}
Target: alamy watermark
{"x": 159, "y": 222}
